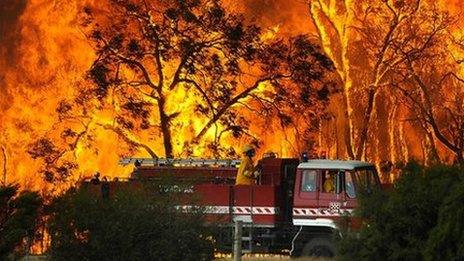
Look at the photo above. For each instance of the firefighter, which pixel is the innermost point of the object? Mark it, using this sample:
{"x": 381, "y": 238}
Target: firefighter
{"x": 246, "y": 174}
{"x": 329, "y": 183}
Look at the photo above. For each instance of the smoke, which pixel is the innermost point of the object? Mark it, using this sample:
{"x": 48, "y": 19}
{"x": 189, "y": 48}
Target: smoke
{"x": 10, "y": 12}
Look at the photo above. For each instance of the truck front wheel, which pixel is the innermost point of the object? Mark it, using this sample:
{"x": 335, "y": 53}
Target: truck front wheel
{"x": 319, "y": 246}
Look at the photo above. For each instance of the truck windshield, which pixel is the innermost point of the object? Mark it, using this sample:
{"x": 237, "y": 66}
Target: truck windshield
{"x": 362, "y": 179}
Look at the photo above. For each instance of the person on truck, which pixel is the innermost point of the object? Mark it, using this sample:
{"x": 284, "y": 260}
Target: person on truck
{"x": 246, "y": 174}
{"x": 329, "y": 183}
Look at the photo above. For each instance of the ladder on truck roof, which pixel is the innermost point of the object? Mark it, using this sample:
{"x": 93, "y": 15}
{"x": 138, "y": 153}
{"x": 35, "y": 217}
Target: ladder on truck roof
{"x": 179, "y": 162}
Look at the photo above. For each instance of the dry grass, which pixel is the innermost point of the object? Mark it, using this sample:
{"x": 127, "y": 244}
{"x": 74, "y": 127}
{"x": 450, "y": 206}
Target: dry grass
{"x": 226, "y": 258}
{"x": 274, "y": 258}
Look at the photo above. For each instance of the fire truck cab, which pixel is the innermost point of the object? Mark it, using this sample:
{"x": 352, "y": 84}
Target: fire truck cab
{"x": 293, "y": 208}
{"x": 325, "y": 189}
{"x": 325, "y": 192}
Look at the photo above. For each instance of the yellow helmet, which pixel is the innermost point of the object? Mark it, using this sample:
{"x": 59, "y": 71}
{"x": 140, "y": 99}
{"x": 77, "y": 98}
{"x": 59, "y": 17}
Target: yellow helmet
{"x": 247, "y": 148}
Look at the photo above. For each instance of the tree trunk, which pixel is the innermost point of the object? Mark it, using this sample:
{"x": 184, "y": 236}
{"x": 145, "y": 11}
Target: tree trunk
{"x": 392, "y": 127}
{"x": 432, "y": 156}
{"x": 334, "y": 35}
{"x": 403, "y": 145}
{"x": 360, "y": 153}
{"x": 335, "y": 134}
{"x": 165, "y": 122}
{"x": 348, "y": 124}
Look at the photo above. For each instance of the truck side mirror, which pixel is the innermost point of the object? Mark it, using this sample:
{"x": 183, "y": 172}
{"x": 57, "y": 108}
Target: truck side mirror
{"x": 340, "y": 182}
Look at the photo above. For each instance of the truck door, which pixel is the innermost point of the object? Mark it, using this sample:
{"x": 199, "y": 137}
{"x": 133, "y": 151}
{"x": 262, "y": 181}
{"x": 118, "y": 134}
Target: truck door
{"x": 350, "y": 191}
{"x": 328, "y": 196}
{"x": 305, "y": 200}
{"x": 364, "y": 179}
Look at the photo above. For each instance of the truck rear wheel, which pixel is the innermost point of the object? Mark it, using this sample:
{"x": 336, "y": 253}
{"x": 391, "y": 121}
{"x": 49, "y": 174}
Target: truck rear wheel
{"x": 319, "y": 246}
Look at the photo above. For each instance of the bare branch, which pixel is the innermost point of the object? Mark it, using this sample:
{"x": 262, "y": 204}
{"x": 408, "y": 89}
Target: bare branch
{"x": 180, "y": 67}
{"x": 450, "y": 74}
{"x": 232, "y": 102}
{"x": 201, "y": 91}
{"x": 147, "y": 18}
{"x": 129, "y": 140}
{"x": 139, "y": 65}
{"x": 431, "y": 118}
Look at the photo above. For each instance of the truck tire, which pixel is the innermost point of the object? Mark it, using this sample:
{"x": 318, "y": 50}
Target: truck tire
{"x": 320, "y": 247}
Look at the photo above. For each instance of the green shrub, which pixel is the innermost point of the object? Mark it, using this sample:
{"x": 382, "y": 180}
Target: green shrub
{"x": 132, "y": 224}
{"x": 446, "y": 241}
{"x": 398, "y": 223}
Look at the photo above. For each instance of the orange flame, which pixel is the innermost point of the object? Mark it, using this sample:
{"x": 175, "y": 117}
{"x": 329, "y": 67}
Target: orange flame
{"x": 47, "y": 63}
{"x": 45, "y": 55}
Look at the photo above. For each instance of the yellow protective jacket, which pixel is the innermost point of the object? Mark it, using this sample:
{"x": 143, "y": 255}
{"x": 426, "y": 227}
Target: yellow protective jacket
{"x": 245, "y": 172}
{"x": 329, "y": 185}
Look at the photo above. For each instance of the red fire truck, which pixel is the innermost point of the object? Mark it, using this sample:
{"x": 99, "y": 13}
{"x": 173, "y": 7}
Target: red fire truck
{"x": 293, "y": 208}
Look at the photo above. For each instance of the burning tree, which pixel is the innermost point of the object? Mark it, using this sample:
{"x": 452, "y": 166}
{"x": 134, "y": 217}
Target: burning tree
{"x": 153, "y": 52}
{"x": 434, "y": 90}
{"x": 183, "y": 74}
{"x": 372, "y": 44}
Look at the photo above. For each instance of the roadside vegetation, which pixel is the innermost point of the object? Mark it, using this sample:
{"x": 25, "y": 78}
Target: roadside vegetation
{"x": 19, "y": 212}
{"x": 276, "y": 258}
{"x": 138, "y": 223}
{"x": 420, "y": 218}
